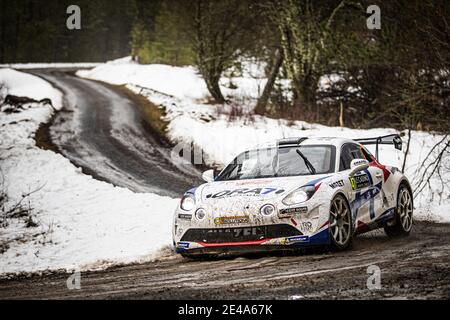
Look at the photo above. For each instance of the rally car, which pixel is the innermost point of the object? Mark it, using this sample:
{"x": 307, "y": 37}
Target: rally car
{"x": 294, "y": 193}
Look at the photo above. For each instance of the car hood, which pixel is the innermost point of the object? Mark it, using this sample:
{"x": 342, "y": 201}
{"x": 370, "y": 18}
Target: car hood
{"x": 255, "y": 189}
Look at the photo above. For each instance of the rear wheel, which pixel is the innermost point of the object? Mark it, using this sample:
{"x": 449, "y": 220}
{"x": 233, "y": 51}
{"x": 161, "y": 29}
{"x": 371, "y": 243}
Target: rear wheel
{"x": 341, "y": 227}
{"x": 403, "y": 215}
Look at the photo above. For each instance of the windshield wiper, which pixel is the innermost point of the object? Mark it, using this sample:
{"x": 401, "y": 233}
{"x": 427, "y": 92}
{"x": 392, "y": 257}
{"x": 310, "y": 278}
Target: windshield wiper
{"x": 308, "y": 164}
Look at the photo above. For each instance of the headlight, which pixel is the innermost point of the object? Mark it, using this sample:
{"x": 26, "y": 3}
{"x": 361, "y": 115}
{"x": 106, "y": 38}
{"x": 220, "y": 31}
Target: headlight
{"x": 187, "y": 203}
{"x": 200, "y": 214}
{"x": 267, "y": 210}
{"x": 299, "y": 195}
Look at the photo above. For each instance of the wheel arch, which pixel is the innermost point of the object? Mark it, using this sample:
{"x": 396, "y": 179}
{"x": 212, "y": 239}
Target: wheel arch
{"x": 404, "y": 181}
{"x": 342, "y": 193}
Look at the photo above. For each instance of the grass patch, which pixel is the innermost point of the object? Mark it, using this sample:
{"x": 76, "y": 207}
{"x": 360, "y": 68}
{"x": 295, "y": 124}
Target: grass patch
{"x": 152, "y": 114}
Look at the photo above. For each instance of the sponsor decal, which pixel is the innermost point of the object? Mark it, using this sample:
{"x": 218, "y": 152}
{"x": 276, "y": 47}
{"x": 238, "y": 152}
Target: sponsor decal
{"x": 360, "y": 181}
{"x": 336, "y": 184}
{"x": 297, "y": 239}
{"x": 363, "y": 198}
{"x": 306, "y": 226}
{"x": 244, "y": 234}
{"x": 386, "y": 172}
{"x": 357, "y": 163}
{"x": 183, "y": 244}
{"x": 231, "y": 220}
{"x": 185, "y": 216}
{"x": 245, "y": 192}
{"x": 291, "y": 211}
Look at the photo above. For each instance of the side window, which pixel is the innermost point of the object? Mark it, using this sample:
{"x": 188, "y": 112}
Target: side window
{"x": 344, "y": 161}
{"x": 356, "y": 152}
{"x": 349, "y": 152}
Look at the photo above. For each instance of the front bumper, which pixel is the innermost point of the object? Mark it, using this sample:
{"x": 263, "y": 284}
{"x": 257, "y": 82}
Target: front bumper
{"x": 290, "y": 239}
{"x": 290, "y": 227}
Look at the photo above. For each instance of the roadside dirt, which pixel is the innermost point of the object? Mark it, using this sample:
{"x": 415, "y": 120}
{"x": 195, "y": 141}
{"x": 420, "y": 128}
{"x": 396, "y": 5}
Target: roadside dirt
{"x": 417, "y": 267}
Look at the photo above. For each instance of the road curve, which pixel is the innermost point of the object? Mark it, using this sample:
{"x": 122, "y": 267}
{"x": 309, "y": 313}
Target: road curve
{"x": 416, "y": 267}
{"x": 103, "y": 131}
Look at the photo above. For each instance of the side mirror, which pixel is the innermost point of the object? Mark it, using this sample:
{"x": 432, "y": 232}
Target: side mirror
{"x": 358, "y": 165}
{"x": 208, "y": 176}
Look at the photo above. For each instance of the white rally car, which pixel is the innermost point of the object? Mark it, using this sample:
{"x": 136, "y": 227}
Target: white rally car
{"x": 297, "y": 192}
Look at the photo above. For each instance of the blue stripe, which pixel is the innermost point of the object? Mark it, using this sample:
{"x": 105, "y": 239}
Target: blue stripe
{"x": 191, "y": 191}
{"x": 321, "y": 238}
{"x": 362, "y": 198}
{"x": 314, "y": 182}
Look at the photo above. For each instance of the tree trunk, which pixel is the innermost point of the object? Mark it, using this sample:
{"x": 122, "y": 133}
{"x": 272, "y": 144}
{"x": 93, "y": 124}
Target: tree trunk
{"x": 262, "y": 101}
{"x": 304, "y": 97}
{"x": 212, "y": 83}
{"x": 341, "y": 116}
{"x": 407, "y": 150}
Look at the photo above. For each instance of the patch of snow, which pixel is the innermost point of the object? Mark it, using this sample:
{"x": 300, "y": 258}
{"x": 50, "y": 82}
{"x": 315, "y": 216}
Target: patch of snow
{"x": 25, "y": 85}
{"x": 83, "y": 223}
{"x": 183, "y": 95}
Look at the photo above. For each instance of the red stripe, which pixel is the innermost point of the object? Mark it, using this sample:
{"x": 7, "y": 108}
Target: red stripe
{"x": 324, "y": 225}
{"x": 231, "y": 244}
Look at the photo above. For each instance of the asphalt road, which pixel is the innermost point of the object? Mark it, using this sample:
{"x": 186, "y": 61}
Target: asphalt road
{"x": 121, "y": 150}
{"x": 103, "y": 131}
{"x": 417, "y": 267}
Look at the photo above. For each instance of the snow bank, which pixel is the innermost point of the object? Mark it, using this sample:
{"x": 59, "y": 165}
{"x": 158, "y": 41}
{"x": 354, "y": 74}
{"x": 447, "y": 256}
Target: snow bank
{"x": 22, "y": 84}
{"x": 179, "y": 82}
{"x": 182, "y": 93}
{"x": 82, "y": 223}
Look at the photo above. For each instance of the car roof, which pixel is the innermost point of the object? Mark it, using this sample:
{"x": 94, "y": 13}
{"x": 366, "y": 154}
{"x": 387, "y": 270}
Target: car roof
{"x": 293, "y": 141}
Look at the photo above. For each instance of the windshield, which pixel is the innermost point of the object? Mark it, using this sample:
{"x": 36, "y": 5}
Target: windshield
{"x": 281, "y": 162}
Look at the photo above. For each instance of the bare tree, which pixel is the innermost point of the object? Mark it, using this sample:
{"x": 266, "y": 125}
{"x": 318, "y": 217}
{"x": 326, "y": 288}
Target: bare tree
{"x": 222, "y": 32}
{"x": 306, "y": 32}
{"x": 432, "y": 166}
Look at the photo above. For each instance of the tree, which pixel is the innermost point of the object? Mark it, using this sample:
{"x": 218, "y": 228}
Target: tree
{"x": 272, "y": 76}
{"x": 306, "y": 40}
{"x": 222, "y": 31}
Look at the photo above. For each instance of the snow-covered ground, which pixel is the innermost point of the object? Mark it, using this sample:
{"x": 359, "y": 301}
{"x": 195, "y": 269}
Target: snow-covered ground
{"x": 82, "y": 223}
{"x": 183, "y": 95}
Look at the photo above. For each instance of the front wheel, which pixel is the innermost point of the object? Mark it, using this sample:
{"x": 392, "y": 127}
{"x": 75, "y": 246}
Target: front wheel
{"x": 341, "y": 226}
{"x": 403, "y": 215}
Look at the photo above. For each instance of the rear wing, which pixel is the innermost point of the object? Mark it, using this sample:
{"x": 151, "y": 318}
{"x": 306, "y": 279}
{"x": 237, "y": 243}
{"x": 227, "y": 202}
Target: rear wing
{"x": 389, "y": 139}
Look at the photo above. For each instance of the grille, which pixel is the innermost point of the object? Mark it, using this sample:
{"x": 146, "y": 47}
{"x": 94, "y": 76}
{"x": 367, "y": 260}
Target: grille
{"x": 240, "y": 234}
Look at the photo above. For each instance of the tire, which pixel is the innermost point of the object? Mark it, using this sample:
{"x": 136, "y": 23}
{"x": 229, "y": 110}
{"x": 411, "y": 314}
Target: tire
{"x": 403, "y": 214}
{"x": 341, "y": 224}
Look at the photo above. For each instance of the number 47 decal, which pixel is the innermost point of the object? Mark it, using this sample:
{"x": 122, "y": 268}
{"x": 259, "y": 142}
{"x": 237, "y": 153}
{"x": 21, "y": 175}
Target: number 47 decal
{"x": 362, "y": 198}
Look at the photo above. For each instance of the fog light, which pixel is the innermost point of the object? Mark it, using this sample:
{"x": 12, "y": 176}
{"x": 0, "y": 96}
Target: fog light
{"x": 200, "y": 214}
{"x": 267, "y": 210}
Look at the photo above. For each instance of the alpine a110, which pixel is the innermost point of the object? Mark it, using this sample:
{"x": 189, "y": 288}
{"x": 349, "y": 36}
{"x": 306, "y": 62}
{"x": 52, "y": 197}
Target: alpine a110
{"x": 297, "y": 192}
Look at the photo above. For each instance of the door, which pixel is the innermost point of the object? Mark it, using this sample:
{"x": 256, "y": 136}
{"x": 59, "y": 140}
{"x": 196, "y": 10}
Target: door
{"x": 366, "y": 186}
